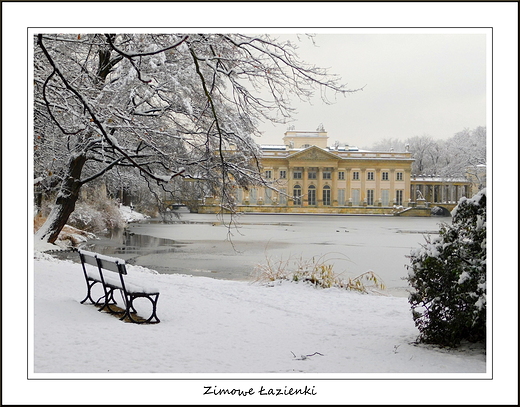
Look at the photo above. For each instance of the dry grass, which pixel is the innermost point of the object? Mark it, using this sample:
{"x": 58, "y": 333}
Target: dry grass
{"x": 68, "y": 234}
{"x": 38, "y": 222}
{"x": 316, "y": 271}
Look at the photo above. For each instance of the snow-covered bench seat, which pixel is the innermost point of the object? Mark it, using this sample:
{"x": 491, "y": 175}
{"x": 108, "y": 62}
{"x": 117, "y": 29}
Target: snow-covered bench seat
{"x": 111, "y": 273}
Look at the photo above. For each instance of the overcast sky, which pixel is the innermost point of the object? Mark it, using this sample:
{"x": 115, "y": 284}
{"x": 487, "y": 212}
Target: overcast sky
{"x": 413, "y": 84}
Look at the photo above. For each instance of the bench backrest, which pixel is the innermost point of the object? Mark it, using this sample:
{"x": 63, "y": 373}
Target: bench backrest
{"x": 87, "y": 258}
{"x": 112, "y": 265}
{"x": 104, "y": 262}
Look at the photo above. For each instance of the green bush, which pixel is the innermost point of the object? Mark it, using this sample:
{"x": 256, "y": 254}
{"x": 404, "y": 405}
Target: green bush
{"x": 447, "y": 276}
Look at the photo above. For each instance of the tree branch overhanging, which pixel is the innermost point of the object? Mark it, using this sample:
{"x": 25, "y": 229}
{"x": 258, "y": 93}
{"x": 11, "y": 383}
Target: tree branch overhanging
{"x": 93, "y": 116}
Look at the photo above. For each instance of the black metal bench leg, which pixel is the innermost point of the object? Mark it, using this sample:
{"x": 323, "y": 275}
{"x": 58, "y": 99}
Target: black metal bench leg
{"x": 154, "y": 312}
{"x": 89, "y": 293}
{"x": 109, "y": 300}
{"x": 153, "y": 319}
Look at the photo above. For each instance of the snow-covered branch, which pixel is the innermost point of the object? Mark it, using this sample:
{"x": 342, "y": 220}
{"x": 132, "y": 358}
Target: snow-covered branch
{"x": 161, "y": 108}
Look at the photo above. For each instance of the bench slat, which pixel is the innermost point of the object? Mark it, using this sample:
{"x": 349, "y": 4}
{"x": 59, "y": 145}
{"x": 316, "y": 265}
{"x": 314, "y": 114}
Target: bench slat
{"x": 109, "y": 265}
{"x": 88, "y": 259}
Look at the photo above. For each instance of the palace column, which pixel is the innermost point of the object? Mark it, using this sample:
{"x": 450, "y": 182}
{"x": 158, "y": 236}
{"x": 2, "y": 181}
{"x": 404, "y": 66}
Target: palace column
{"x": 304, "y": 187}
{"x": 377, "y": 194}
{"x": 392, "y": 186}
{"x": 407, "y": 181}
{"x": 275, "y": 198}
{"x": 290, "y": 185}
{"x": 348, "y": 177}
{"x": 319, "y": 192}
{"x": 334, "y": 186}
{"x": 363, "y": 194}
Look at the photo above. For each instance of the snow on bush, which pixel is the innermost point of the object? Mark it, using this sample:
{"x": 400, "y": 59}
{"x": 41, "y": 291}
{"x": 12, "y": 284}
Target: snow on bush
{"x": 129, "y": 215}
{"x": 448, "y": 278}
{"x": 96, "y": 216}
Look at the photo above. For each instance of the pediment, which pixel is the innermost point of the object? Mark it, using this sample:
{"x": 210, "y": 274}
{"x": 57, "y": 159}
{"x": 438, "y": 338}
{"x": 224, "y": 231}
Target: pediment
{"x": 313, "y": 154}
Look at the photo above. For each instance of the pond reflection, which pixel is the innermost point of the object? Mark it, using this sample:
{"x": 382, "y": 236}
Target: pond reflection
{"x": 124, "y": 244}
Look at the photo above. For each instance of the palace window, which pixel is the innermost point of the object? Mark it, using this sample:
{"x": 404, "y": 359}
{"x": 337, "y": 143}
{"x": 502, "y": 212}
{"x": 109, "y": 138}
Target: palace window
{"x": 297, "y": 195}
{"x": 385, "y": 197}
{"x": 253, "y": 194}
{"x": 370, "y": 175}
{"x": 312, "y": 195}
{"x": 355, "y": 196}
{"x": 341, "y": 174}
{"x": 399, "y": 197}
{"x": 283, "y": 174}
{"x": 283, "y": 196}
{"x": 370, "y": 197}
{"x": 384, "y": 176}
{"x": 268, "y": 174}
{"x": 355, "y": 175}
{"x": 326, "y": 195}
{"x": 327, "y": 174}
{"x": 268, "y": 196}
{"x": 297, "y": 174}
{"x": 341, "y": 197}
{"x": 312, "y": 174}
{"x": 399, "y": 176}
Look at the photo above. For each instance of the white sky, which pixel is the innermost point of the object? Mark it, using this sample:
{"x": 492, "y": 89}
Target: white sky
{"x": 416, "y": 82}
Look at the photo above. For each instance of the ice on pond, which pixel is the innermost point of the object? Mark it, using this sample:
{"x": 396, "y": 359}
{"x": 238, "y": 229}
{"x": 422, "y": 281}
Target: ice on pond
{"x": 206, "y": 245}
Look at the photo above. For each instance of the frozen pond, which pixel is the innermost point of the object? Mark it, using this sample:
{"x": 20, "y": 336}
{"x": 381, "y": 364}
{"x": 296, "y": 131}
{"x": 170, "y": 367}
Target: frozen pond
{"x": 205, "y": 245}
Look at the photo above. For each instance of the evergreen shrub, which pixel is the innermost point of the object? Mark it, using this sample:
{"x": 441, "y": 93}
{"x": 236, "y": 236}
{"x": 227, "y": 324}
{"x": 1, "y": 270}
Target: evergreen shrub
{"x": 447, "y": 276}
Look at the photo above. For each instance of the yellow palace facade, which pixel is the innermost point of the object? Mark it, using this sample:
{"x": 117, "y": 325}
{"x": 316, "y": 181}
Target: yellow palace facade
{"x": 304, "y": 175}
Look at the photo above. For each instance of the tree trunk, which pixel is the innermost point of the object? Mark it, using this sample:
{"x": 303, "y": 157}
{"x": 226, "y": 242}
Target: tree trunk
{"x": 65, "y": 201}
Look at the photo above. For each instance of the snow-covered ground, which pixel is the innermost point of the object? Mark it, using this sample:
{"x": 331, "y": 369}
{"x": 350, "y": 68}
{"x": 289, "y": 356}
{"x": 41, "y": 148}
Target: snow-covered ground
{"x": 341, "y": 347}
{"x": 228, "y": 329}
{"x": 214, "y": 326}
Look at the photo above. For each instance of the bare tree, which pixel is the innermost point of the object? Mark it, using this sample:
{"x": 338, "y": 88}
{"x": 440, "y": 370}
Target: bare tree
{"x": 389, "y": 144}
{"x": 468, "y": 150}
{"x": 457, "y": 156}
{"x": 172, "y": 105}
{"x": 420, "y": 146}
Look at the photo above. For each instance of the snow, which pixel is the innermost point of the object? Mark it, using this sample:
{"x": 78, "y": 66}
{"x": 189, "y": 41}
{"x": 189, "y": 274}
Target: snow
{"x": 472, "y": 201}
{"x": 225, "y": 335}
{"x": 230, "y": 327}
{"x": 216, "y": 327}
{"x": 129, "y": 215}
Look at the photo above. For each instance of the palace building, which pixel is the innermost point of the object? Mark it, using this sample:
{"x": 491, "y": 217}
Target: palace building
{"x": 305, "y": 175}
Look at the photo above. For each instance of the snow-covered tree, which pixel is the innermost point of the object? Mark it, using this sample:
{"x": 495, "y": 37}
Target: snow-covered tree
{"x": 447, "y": 276}
{"x": 171, "y": 105}
{"x": 421, "y": 147}
{"x": 462, "y": 154}
{"x": 388, "y": 144}
{"x": 467, "y": 152}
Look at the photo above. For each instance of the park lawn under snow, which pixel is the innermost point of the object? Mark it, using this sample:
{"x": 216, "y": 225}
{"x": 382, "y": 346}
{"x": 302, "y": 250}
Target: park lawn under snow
{"x": 216, "y": 326}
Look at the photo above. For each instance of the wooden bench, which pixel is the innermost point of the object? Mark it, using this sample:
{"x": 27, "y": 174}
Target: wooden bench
{"x": 110, "y": 272}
